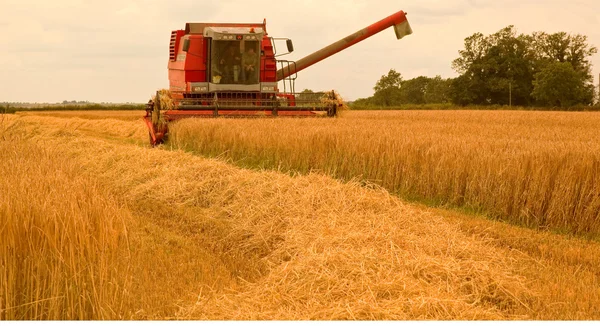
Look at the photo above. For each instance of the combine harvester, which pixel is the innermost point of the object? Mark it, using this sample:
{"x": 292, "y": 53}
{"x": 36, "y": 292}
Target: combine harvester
{"x": 232, "y": 70}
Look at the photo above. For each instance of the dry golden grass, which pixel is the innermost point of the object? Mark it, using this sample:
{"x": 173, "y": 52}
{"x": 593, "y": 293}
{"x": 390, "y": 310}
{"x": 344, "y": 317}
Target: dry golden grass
{"x": 336, "y": 100}
{"x": 91, "y": 114}
{"x": 63, "y": 253}
{"x": 165, "y": 99}
{"x": 108, "y": 128}
{"x": 207, "y": 240}
{"x": 539, "y": 169}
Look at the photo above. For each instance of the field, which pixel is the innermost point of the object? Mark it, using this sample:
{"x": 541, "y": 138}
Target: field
{"x": 341, "y": 218}
{"x": 538, "y": 169}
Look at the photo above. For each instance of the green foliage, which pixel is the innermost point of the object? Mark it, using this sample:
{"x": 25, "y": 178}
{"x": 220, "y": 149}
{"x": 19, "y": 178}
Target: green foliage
{"x": 7, "y": 109}
{"x": 387, "y": 89}
{"x": 413, "y": 90}
{"x": 393, "y": 90}
{"x": 500, "y": 68}
{"x": 363, "y": 103}
{"x": 360, "y": 105}
{"x": 309, "y": 95}
{"x": 563, "y": 47}
{"x": 559, "y": 84}
{"x": 490, "y": 66}
{"x": 438, "y": 90}
{"x": 390, "y": 81}
{"x": 461, "y": 91}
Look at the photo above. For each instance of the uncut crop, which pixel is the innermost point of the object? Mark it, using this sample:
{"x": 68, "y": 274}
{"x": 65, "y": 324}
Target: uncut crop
{"x": 539, "y": 169}
{"x": 63, "y": 252}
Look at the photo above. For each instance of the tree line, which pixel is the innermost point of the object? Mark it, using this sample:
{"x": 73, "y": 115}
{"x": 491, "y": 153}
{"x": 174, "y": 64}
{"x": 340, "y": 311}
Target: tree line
{"x": 504, "y": 68}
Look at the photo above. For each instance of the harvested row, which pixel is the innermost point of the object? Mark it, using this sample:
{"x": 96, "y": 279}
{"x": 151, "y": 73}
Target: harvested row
{"x": 89, "y": 114}
{"x": 539, "y": 169}
{"x": 313, "y": 248}
{"x": 208, "y": 240}
{"x": 133, "y": 131}
{"x": 305, "y": 247}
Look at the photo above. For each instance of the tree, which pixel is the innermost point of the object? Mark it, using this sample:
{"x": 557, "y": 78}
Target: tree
{"x": 387, "y": 89}
{"x": 392, "y": 90}
{"x": 461, "y": 91}
{"x": 566, "y": 48}
{"x": 495, "y": 65}
{"x": 363, "y": 102}
{"x": 438, "y": 90}
{"x": 413, "y": 90}
{"x": 309, "y": 95}
{"x": 491, "y": 65}
{"x": 559, "y": 84}
{"x": 563, "y": 47}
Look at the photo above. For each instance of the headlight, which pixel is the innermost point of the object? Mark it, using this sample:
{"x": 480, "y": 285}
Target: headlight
{"x": 268, "y": 88}
{"x": 200, "y": 89}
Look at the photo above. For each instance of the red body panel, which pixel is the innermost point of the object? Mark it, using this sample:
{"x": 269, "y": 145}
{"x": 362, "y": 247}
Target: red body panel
{"x": 191, "y": 66}
{"x": 268, "y": 63}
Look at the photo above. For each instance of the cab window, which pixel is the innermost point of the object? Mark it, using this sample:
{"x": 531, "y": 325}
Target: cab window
{"x": 235, "y": 62}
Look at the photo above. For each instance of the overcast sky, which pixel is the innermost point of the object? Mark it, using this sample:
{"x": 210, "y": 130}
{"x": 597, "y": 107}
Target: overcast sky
{"x": 117, "y": 50}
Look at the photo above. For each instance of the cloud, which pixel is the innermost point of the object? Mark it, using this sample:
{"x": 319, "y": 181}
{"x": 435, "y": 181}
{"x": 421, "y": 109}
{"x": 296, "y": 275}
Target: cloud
{"x": 117, "y": 51}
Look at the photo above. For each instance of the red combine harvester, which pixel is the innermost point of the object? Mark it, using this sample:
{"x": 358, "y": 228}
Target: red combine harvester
{"x": 233, "y": 70}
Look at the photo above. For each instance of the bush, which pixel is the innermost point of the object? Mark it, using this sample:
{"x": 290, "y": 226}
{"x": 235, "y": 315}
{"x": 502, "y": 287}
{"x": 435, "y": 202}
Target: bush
{"x": 7, "y": 109}
{"x": 579, "y": 107}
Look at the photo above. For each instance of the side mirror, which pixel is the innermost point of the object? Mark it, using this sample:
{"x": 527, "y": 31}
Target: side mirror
{"x": 186, "y": 45}
{"x": 290, "y": 45}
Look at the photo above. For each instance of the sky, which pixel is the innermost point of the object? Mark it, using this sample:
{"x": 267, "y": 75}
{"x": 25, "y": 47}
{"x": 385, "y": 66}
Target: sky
{"x": 117, "y": 50}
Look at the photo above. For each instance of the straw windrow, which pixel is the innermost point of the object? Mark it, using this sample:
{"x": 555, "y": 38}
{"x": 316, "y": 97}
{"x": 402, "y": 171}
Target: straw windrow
{"x": 334, "y": 98}
{"x": 165, "y": 102}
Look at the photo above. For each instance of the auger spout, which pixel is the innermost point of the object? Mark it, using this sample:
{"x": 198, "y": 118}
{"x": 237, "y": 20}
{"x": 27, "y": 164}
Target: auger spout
{"x": 398, "y": 20}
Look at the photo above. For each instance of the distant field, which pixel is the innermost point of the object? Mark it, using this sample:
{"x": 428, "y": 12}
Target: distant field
{"x": 540, "y": 169}
{"x": 70, "y": 107}
{"x": 101, "y": 226}
{"x": 89, "y": 114}
{"x": 448, "y": 106}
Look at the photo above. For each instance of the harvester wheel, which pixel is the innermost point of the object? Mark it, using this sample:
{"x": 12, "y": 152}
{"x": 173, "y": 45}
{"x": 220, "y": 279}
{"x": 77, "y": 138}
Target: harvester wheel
{"x": 160, "y": 140}
{"x": 332, "y": 110}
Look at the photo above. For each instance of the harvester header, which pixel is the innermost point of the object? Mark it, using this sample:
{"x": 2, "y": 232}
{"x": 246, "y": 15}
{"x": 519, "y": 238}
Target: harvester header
{"x": 225, "y": 69}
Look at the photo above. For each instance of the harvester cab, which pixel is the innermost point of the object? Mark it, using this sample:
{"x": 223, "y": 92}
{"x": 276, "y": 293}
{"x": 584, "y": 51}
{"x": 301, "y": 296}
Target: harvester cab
{"x": 233, "y": 70}
{"x": 234, "y": 58}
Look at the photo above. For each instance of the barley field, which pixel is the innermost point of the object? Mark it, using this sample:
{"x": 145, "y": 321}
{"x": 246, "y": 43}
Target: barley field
{"x": 95, "y": 224}
{"x": 537, "y": 169}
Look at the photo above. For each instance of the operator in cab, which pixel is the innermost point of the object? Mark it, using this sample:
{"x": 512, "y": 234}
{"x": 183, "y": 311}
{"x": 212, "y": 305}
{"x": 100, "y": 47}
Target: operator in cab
{"x": 249, "y": 60}
{"x": 230, "y": 61}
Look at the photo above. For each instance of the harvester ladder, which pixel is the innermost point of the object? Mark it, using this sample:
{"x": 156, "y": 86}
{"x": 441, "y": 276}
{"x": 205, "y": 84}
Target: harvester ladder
{"x": 289, "y": 81}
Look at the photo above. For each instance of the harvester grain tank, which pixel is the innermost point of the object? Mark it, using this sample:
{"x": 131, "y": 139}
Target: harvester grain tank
{"x": 224, "y": 69}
